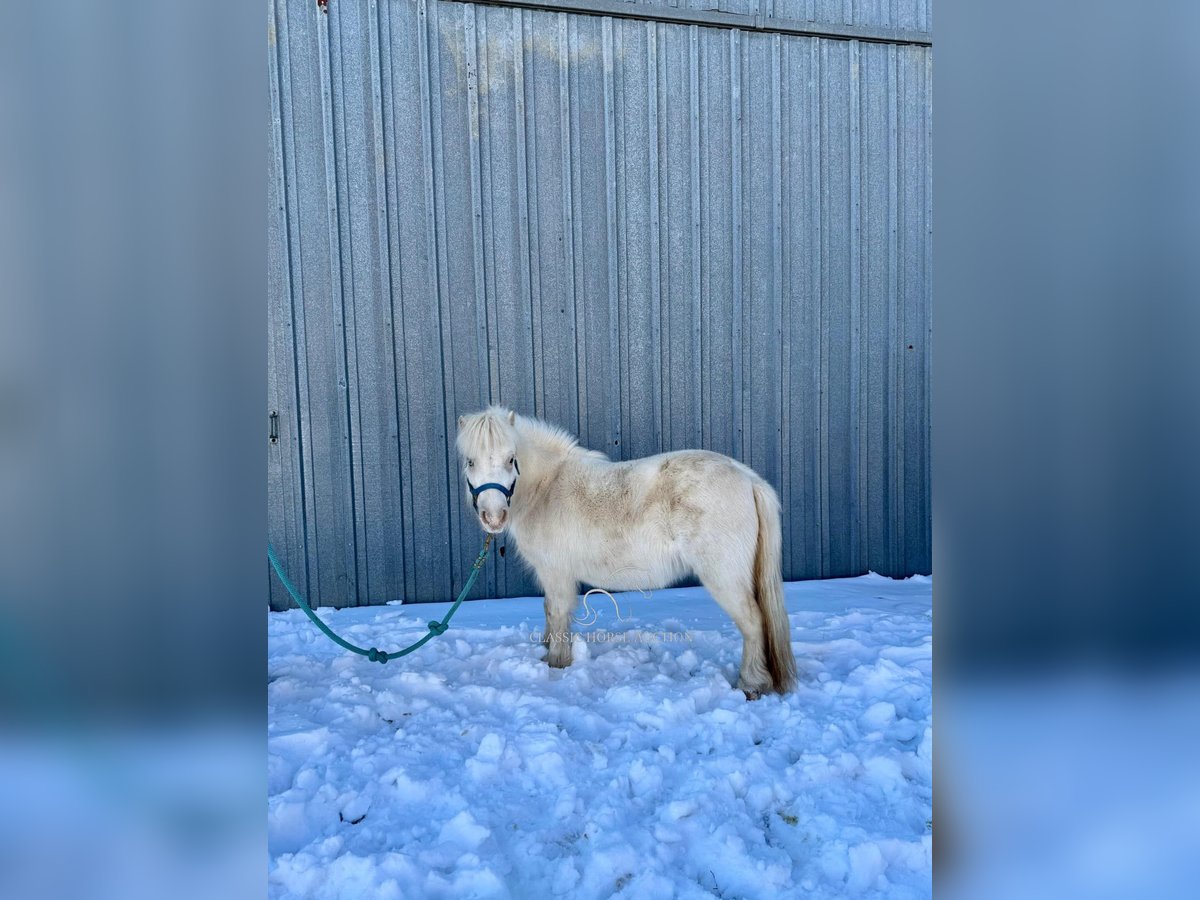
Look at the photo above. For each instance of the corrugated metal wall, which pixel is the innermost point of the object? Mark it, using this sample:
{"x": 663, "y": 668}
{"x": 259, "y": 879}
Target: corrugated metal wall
{"x": 658, "y": 235}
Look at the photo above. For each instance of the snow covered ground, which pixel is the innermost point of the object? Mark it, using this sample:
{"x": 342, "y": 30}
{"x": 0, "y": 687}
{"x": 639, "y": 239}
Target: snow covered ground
{"x": 471, "y": 769}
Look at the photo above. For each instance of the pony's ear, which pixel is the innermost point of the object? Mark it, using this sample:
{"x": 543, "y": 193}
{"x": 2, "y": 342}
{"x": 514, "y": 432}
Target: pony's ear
{"x": 512, "y": 417}
{"x": 461, "y": 419}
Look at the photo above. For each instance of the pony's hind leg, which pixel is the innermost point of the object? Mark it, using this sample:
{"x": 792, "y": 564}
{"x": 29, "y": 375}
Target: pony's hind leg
{"x": 735, "y": 595}
{"x": 561, "y": 596}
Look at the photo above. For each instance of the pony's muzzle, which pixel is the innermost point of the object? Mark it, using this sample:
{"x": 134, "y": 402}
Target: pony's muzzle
{"x": 493, "y": 521}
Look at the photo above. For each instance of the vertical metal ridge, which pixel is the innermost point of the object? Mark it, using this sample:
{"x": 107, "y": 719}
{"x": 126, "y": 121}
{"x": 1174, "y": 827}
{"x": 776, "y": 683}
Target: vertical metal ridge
{"x": 277, "y": 251}
{"x": 326, "y": 142}
{"x": 445, "y": 335}
{"x": 824, "y": 316}
{"x": 925, "y": 563}
{"x": 857, "y": 467}
{"x": 535, "y": 241}
{"x": 745, "y": 361}
{"x": 343, "y": 222}
{"x": 345, "y": 276}
{"x": 780, "y": 127}
{"x": 363, "y": 526}
{"x": 431, "y": 266}
{"x": 399, "y": 329}
{"x": 777, "y": 300}
{"x": 484, "y": 258}
{"x": 694, "y": 159}
{"x": 661, "y": 194}
{"x": 564, "y": 124}
{"x": 704, "y": 322}
{"x": 471, "y": 53}
{"x": 346, "y": 243}
{"x": 889, "y": 461}
{"x": 623, "y": 318}
{"x": 280, "y": 87}
{"x": 902, "y": 298}
{"x": 478, "y": 201}
{"x": 520, "y": 123}
{"x": 654, "y": 139}
{"x": 383, "y": 157}
{"x": 300, "y": 322}
{"x": 610, "y": 196}
{"x": 389, "y": 231}
{"x": 336, "y": 282}
{"x": 787, "y": 470}
{"x": 299, "y": 339}
{"x": 487, "y": 162}
{"x": 579, "y": 334}
{"x": 813, "y": 470}
{"x": 735, "y": 169}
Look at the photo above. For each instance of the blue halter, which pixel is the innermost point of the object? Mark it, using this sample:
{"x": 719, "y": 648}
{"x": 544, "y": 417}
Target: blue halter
{"x": 493, "y": 486}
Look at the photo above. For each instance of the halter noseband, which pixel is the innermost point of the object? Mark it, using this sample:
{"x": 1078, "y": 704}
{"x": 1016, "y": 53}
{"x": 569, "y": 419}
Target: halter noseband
{"x": 494, "y": 486}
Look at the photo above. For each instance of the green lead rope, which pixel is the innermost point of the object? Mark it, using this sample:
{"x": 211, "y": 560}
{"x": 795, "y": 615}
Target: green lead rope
{"x": 374, "y": 654}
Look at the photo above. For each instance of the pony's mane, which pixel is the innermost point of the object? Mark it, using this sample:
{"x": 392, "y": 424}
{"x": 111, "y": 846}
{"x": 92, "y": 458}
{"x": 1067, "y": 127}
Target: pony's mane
{"x": 483, "y": 430}
{"x": 550, "y": 436}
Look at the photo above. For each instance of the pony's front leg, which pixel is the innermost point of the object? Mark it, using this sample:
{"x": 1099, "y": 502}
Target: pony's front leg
{"x": 561, "y": 596}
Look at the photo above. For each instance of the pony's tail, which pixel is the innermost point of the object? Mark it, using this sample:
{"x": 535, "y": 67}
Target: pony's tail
{"x": 768, "y": 589}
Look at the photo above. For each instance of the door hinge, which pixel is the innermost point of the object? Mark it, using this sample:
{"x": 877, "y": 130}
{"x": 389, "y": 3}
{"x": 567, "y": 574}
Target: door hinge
{"x": 273, "y": 427}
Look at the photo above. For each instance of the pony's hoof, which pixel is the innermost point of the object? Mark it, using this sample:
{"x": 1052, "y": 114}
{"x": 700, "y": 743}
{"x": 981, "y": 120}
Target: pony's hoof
{"x": 558, "y": 660}
{"x": 754, "y": 690}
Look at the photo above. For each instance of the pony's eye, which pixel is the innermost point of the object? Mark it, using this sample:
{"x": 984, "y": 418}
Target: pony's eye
{"x": 511, "y": 459}
{"x": 470, "y": 463}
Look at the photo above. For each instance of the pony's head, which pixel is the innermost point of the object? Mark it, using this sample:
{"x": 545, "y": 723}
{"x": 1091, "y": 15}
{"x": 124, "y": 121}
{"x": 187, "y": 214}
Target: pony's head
{"x": 487, "y": 446}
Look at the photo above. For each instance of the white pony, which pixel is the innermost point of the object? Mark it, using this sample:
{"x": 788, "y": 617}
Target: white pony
{"x": 643, "y": 524}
